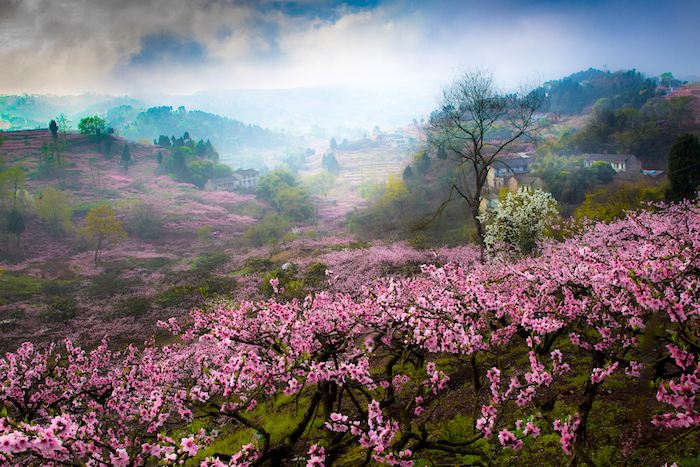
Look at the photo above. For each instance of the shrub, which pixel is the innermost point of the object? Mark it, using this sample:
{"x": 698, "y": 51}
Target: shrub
{"x": 290, "y": 286}
{"x": 144, "y": 222}
{"x": 269, "y": 230}
{"x": 110, "y": 283}
{"x": 258, "y": 265}
{"x": 315, "y": 275}
{"x": 61, "y": 310}
{"x": 218, "y": 285}
{"x": 133, "y": 306}
{"x": 209, "y": 262}
{"x": 176, "y": 295}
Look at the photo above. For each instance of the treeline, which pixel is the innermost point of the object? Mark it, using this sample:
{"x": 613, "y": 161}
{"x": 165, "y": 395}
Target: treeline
{"x": 647, "y": 132}
{"x": 291, "y": 202}
{"x": 190, "y": 161}
{"x": 626, "y": 88}
{"x": 223, "y": 132}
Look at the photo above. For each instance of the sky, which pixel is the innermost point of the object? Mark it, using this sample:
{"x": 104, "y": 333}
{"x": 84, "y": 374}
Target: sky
{"x": 184, "y": 46}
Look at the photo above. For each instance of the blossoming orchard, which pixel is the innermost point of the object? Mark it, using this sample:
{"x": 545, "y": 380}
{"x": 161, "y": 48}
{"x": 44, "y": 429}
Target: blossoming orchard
{"x": 516, "y": 353}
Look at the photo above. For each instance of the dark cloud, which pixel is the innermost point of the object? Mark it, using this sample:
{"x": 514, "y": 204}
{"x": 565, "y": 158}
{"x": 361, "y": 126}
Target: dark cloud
{"x": 126, "y": 46}
{"x": 166, "y": 48}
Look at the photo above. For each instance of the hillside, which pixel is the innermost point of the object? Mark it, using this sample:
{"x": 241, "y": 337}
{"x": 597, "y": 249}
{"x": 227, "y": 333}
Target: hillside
{"x": 58, "y": 268}
{"x": 690, "y": 90}
{"x": 187, "y": 246}
{"x": 232, "y": 137}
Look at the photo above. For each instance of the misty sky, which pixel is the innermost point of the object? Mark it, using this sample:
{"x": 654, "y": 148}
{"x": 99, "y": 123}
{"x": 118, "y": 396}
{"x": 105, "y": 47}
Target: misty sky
{"x": 183, "y": 46}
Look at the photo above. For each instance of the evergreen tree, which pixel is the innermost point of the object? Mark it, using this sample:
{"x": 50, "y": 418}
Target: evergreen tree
{"x": 53, "y": 128}
{"x": 126, "y": 156}
{"x": 684, "y": 168}
{"x": 15, "y": 225}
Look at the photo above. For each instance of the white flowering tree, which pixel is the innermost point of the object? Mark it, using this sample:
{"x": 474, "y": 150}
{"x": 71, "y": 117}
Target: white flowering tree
{"x": 520, "y": 220}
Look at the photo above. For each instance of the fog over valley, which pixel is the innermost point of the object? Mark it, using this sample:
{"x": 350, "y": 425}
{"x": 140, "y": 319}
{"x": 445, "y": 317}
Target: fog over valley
{"x": 326, "y": 232}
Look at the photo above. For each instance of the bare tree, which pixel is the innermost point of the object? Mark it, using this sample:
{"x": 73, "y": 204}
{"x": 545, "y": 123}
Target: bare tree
{"x": 473, "y": 126}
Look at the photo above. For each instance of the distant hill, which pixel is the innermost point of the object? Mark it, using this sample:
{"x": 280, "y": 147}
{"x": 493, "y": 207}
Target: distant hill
{"x": 228, "y": 135}
{"x": 35, "y": 111}
{"x": 239, "y": 142}
{"x": 574, "y": 93}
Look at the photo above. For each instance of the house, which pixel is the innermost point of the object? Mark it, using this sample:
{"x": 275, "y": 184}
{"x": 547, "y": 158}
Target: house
{"x": 241, "y": 180}
{"x": 627, "y": 166}
{"x": 396, "y": 140}
{"x": 510, "y": 170}
{"x": 248, "y": 179}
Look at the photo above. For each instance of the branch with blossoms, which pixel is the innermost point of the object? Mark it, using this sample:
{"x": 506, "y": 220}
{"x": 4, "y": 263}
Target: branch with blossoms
{"x": 100, "y": 407}
{"x": 379, "y": 368}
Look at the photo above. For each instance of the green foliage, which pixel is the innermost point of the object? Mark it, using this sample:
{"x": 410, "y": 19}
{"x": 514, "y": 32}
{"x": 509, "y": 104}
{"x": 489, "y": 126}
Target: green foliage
{"x": 321, "y": 183}
{"x": 204, "y": 233}
{"x": 406, "y": 209}
{"x": 53, "y": 128}
{"x": 647, "y": 132}
{"x": 290, "y": 285}
{"x": 144, "y": 221}
{"x": 12, "y": 192}
{"x": 684, "y": 168}
{"x": 315, "y": 275}
{"x": 569, "y": 179}
{"x": 256, "y": 265}
{"x": 407, "y": 174}
{"x": 91, "y": 126}
{"x": 15, "y": 222}
{"x": 16, "y": 287}
{"x": 53, "y": 207}
{"x": 216, "y": 285}
{"x": 176, "y": 295}
{"x": 61, "y": 310}
{"x": 102, "y": 226}
{"x": 224, "y": 132}
{"x": 269, "y": 230}
{"x": 330, "y": 163}
{"x": 133, "y": 306}
{"x": 126, "y": 156}
{"x": 626, "y": 88}
{"x": 281, "y": 189}
{"x": 612, "y": 201}
{"x": 210, "y": 262}
{"x": 193, "y": 163}
{"x": 111, "y": 283}
{"x": 422, "y": 162}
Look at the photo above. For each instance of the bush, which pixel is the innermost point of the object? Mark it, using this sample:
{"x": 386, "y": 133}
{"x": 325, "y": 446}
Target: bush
{"x": 218, "y": 285}
{"x": 133, "y": 306}
{"x": 176, "y": 295}
{"x": 269, "y": 230}
{"x": 611, "y": 202}
{"x": 61, "y": 310}
{"x": 290, "y": 286}
{"x": 57, "y": 287}
{"x": 209, "y": 262}
{"x": 110, "y": 283}
{"x": 144, "y": 222}
{"x": 258, "y": 265}
{"x": 315, "y": 275}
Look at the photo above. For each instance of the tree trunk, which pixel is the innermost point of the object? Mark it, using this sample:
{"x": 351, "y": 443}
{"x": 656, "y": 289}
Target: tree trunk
{"x": 97, "y": 250}
{"x": 479, "y": 232}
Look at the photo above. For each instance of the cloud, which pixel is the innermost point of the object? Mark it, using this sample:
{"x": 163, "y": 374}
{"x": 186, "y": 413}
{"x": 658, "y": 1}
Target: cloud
{"x": 166, "y": 48}
{"x": 182, "y": 46}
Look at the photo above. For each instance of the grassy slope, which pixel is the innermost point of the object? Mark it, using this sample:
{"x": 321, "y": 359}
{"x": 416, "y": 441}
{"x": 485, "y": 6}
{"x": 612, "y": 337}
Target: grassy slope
{"x": 55, "y": 269}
